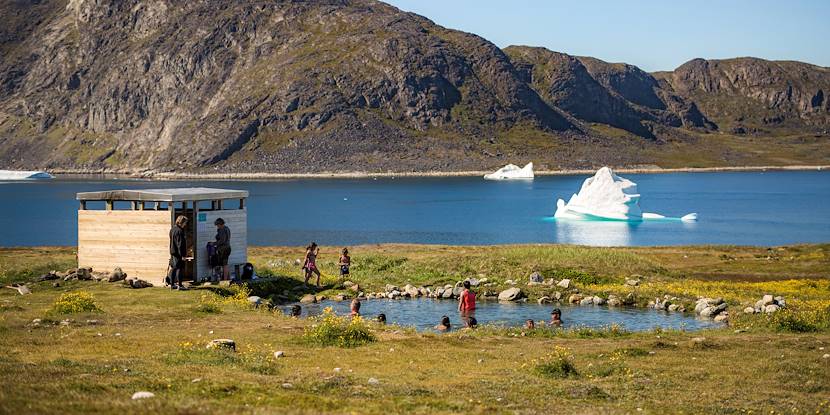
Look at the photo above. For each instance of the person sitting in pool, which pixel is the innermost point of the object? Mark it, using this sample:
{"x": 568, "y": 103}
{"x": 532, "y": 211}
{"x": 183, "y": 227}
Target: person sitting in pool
{"x": 296, "y": 310}
{"x": 467, "y": 301}
{"x": 470, "y": 322}
{"x": 444, "y": 325}
{"x": 381, "y": 318}
{"x": 530, "y": 324}
{"x": 556, "y": 318}
{"x": 355, "y": 307}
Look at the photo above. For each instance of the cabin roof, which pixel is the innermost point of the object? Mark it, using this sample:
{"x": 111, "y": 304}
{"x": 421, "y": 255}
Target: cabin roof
{"x": 165, "y": 195}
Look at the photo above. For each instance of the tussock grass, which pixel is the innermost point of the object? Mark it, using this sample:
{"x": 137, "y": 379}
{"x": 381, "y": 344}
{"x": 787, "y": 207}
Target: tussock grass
{"x": 154, "y": 340}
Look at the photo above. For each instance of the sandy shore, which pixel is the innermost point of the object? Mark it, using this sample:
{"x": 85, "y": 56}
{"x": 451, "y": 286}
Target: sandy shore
{"x": 62, "y": 173}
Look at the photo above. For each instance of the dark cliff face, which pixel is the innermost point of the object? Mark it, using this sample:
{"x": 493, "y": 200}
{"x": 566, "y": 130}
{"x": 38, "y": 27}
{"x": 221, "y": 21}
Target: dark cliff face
{"x": 341, "y": 85}
{"x": 755, "y": 94}
{"x": 619, "y": 95}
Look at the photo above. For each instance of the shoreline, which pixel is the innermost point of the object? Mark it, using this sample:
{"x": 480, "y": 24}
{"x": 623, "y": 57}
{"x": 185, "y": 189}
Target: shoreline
{"x": 152, "y": 175}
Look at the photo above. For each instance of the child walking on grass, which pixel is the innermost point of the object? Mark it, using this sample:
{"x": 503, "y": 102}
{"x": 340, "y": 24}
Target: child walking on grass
{"x": 345, "y": 263}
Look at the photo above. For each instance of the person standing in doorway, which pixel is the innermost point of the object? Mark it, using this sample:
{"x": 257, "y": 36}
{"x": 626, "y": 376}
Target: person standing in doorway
{"x": 223, "y": 246}
{"x": 178, "y": 252}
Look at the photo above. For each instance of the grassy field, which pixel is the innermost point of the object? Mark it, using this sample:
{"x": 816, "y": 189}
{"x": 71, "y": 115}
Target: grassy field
{"x": 153, "y": 340}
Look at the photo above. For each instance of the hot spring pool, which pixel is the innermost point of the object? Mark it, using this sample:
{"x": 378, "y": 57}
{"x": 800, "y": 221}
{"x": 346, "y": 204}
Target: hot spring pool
{"x": 424, "y": 313}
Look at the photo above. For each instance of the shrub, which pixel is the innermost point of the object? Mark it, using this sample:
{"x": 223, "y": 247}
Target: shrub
{"x": 556, "y": 365}
{"x": 577, "y": 276}
{"x": 209, "y": 303}
{"x": 75, "y": 302}
{"x": 811, "y": 316}
{"x": 333, "y": 330}
{"x": 238, "y": 296}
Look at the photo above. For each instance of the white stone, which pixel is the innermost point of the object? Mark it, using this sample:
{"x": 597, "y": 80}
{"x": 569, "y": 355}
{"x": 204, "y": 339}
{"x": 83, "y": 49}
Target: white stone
{"x": 768, "y": 299}
{"x": 771, "y": 308}
{"x": 373, "y": 381}
{"x": 510, "y": 294}
{"x": 749, "y": 310}
{"x": 143, "y": 395}
{"x": 279, "y": 353}
{"x": 564, "y": 283}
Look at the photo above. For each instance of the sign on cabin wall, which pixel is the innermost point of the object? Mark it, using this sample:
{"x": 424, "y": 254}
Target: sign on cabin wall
{"x": 237, "y": 221}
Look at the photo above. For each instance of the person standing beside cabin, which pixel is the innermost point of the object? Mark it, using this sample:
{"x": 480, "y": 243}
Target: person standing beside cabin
{"x": 223, "y": 246}
{"x": 178, "y": 252}
{"x": 310, "y": 263}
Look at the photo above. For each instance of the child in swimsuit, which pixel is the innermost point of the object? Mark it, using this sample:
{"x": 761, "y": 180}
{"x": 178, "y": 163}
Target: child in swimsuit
{"x": 310, "y": 263}
{"x": 345, "y": 262}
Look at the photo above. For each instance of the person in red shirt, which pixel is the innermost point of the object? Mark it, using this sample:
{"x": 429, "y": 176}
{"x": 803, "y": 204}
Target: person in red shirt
{"x": 467, "y": 301}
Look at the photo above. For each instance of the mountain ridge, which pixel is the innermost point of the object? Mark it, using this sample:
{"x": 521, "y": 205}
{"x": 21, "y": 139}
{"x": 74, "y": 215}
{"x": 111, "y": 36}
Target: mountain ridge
{"x": 358, "y": 85}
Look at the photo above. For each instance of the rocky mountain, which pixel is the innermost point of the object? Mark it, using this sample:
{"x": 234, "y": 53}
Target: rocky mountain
{"x": 348, "y": 85}
{"x": 755, "y": 95}
{"x": 620, "y": 95}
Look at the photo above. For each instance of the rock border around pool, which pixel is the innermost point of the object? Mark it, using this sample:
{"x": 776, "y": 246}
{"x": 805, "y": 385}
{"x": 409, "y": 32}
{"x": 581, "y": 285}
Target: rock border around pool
{"x": 705, "y": 307}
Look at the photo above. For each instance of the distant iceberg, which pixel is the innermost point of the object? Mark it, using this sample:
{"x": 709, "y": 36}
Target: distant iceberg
{"x": 606, "y": 196}
{"x": 512, "y": 171}
{"x": 24, "y": 175}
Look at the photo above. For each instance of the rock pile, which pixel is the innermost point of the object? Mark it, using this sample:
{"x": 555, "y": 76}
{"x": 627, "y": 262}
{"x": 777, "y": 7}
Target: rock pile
{"x": 667, "y": 303}
{"x": 714, "y": 308}
{"x": 767, "y": 304}
{"x": 77, "y": 274}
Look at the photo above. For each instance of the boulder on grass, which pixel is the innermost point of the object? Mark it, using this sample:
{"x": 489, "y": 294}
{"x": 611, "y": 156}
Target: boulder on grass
{"x": 511, "y": 294}
{"x": 222, "y": 344}
{"x": 117, "y": 275}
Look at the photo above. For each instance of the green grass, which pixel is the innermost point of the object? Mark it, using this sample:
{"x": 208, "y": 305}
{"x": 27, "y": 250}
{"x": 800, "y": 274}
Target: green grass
{"x": 154, "y": 340}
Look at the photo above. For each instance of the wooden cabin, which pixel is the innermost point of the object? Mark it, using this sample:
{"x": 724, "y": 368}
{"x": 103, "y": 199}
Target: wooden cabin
{"x": 130, "y": 229}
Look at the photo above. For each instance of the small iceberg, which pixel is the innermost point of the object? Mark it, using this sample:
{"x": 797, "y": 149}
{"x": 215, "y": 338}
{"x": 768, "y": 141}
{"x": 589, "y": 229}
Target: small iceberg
{"x": 512, "y": 171}
{"x": 606, "y": 196}
{"x": 24, "y": 175}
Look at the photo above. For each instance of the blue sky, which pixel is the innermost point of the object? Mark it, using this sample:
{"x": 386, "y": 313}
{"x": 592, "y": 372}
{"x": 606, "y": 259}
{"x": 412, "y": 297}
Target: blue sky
{"x": 654, "y": 35}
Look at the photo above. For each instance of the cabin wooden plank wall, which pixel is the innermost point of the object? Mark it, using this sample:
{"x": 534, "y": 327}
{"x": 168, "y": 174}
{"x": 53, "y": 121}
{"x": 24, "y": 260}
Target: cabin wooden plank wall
{"x": 237, "y": 221}
{"x": 136, "y": 241}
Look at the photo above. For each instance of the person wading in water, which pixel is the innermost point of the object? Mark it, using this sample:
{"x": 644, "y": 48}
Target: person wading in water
{"x": 467, "y": 302}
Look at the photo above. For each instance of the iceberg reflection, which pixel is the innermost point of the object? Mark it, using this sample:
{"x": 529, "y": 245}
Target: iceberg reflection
{"x": 595, "y": 233}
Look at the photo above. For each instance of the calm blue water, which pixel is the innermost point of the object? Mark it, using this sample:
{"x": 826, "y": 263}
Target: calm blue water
{"x": 425, "y": 313}
{"x": 743, "y": 208}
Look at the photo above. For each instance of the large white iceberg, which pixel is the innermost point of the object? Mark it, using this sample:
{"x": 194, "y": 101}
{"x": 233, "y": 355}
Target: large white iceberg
{"x": 512, "y": 171}
{"x": 606, "y": 196}
{"x": 24, "y": 175}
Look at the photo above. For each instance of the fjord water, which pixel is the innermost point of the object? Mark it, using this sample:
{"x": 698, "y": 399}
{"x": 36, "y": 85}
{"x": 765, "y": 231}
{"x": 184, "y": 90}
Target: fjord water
{"x": 424, "y": 313}
{"x": 741, "y": 208}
